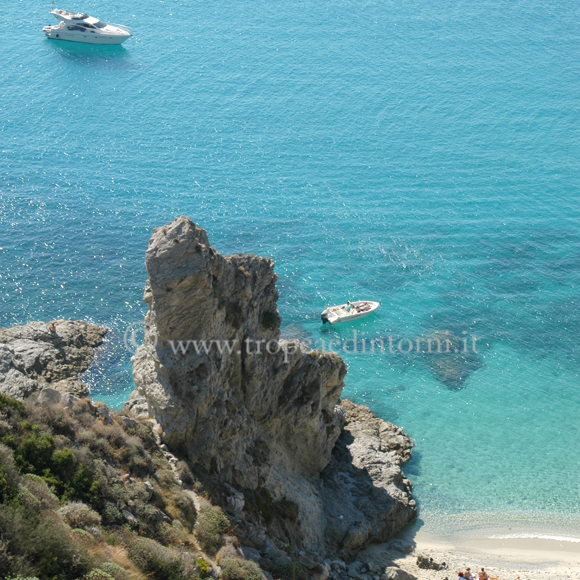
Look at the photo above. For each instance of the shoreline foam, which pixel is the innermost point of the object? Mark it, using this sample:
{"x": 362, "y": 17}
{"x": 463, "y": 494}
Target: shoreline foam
{"x": 526, "y": 552}
{"x": 531, "y": 536}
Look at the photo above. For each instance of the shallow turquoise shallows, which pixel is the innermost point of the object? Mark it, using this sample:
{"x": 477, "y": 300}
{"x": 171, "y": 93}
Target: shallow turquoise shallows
{"x": 421, "y": 154}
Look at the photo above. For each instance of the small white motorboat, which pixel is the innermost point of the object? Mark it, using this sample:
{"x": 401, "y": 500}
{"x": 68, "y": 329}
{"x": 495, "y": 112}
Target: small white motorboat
{"x": 348, "y": 311}
{"x": 84, "y": 28}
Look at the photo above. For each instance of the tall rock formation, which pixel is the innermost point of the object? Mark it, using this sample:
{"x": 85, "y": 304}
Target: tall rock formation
{"x": 244, "y": 406}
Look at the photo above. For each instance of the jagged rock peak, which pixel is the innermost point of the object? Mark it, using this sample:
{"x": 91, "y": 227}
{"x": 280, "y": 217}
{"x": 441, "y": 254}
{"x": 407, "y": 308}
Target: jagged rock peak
{"x": 261, "y": 415}
{"x": 234, "y": 414}
{"x": 194, "y": 292}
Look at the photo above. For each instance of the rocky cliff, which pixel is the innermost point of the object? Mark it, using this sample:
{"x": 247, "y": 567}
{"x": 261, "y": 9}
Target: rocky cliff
{"x": 258, "y": 413}
{"x": 33, "y": 357}
{"x": 366, "y": 496}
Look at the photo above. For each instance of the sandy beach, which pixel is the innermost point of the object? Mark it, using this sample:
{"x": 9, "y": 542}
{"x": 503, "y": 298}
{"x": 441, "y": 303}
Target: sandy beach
{"x": 545, "y": 557}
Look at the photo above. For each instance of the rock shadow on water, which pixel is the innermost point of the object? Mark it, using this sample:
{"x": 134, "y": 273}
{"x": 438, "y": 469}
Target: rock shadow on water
{"x": 413, "y": 466}
{"x": 399, "y": 388}
{"x": 454, "y": 362}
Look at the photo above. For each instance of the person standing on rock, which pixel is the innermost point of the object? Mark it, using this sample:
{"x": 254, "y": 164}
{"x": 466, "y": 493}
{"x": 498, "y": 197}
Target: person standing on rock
{"x": 52, "y": 328}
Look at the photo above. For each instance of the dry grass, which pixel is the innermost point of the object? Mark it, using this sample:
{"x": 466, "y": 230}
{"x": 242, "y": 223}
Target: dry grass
{"x": 120, "y": 556}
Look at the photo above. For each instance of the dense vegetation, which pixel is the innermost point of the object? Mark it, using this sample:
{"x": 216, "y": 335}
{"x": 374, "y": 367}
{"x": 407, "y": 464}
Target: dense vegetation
{"x": 88, "y": 495}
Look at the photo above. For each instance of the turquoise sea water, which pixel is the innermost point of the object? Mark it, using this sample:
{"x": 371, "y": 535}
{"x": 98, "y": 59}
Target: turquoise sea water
{"x": 421, "y": 154}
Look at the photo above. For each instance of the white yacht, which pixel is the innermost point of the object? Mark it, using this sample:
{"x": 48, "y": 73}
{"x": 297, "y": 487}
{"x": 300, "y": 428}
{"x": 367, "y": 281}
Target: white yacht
{"x": 348, "y": 311}
{"x": 84, "y": 28}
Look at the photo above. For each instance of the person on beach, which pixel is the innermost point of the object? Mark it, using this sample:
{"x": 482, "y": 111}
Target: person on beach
{"x": 52, "y": 328}
{"x": 468, "y": 575}
{"x": 483, "y": 575}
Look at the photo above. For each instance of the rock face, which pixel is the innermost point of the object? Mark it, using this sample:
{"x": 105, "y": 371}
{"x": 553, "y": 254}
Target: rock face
{"x": 31, "y": 357}
{"x": 367, "y": 497}
{"x": 244, "y": 406}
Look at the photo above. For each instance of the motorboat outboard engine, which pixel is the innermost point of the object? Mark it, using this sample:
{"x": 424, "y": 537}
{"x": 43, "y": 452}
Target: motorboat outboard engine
{"x": 324, "y": 318}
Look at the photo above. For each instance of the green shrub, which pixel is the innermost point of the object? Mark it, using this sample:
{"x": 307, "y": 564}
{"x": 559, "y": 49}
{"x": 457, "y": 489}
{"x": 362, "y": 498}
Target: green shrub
{"x": 165, "y": 477}
{"x": 184, "y": 472}
{"x": 115, "y": 571}
{"x": 204, "y": 568}
{"x": 79, "y": 515}
{"x": 8, "y": 483}
{"x": 41, "y": 546}
{"x": 34, "y": 454}
{"x": 185, "y": 505}
{"x": 82, "y": 486}
{"x": 153, "y": 558}
{"x": 269, "y": 320}
{"x": 37, "y": 486}
{"x": 144, "y": 433}
{"x": 173, "y": 533}
{"x": 27, "y": 499}
{"x": 112, "y": 516}
{"x": 236, "y": 569}
{"x": 210, "y": 525}
{"x": 227, "y": 551}
{"x": 98, "y": 574}
{"x": 289, "y": 571}
{"x": 286, "y": 509}
{"x": 64, "y": 463}
{"x": 83, "y": 537}
{"x": 264, "y": 503}
{"x": 12, "y": 404}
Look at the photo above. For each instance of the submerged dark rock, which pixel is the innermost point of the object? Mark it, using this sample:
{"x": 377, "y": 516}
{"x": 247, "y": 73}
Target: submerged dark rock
{"x": 452, "y": 359}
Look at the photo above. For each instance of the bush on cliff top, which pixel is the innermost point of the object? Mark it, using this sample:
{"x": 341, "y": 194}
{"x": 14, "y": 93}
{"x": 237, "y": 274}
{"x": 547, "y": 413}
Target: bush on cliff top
{"x": 79, "y": 515}
{"x": 236, "y": 569}
{"x": 210, "y": 526}
{"x": 204, "y": 569}
{"x": 51, "y": 457}
{"x": 9, "y": 403}
{"x": 153, "y": 558}
{"x": 115, "y": 571}
{"x": 39, "y": 545}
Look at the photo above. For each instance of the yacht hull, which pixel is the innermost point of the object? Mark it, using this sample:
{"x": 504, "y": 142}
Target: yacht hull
{"x": 87, "y": 39}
